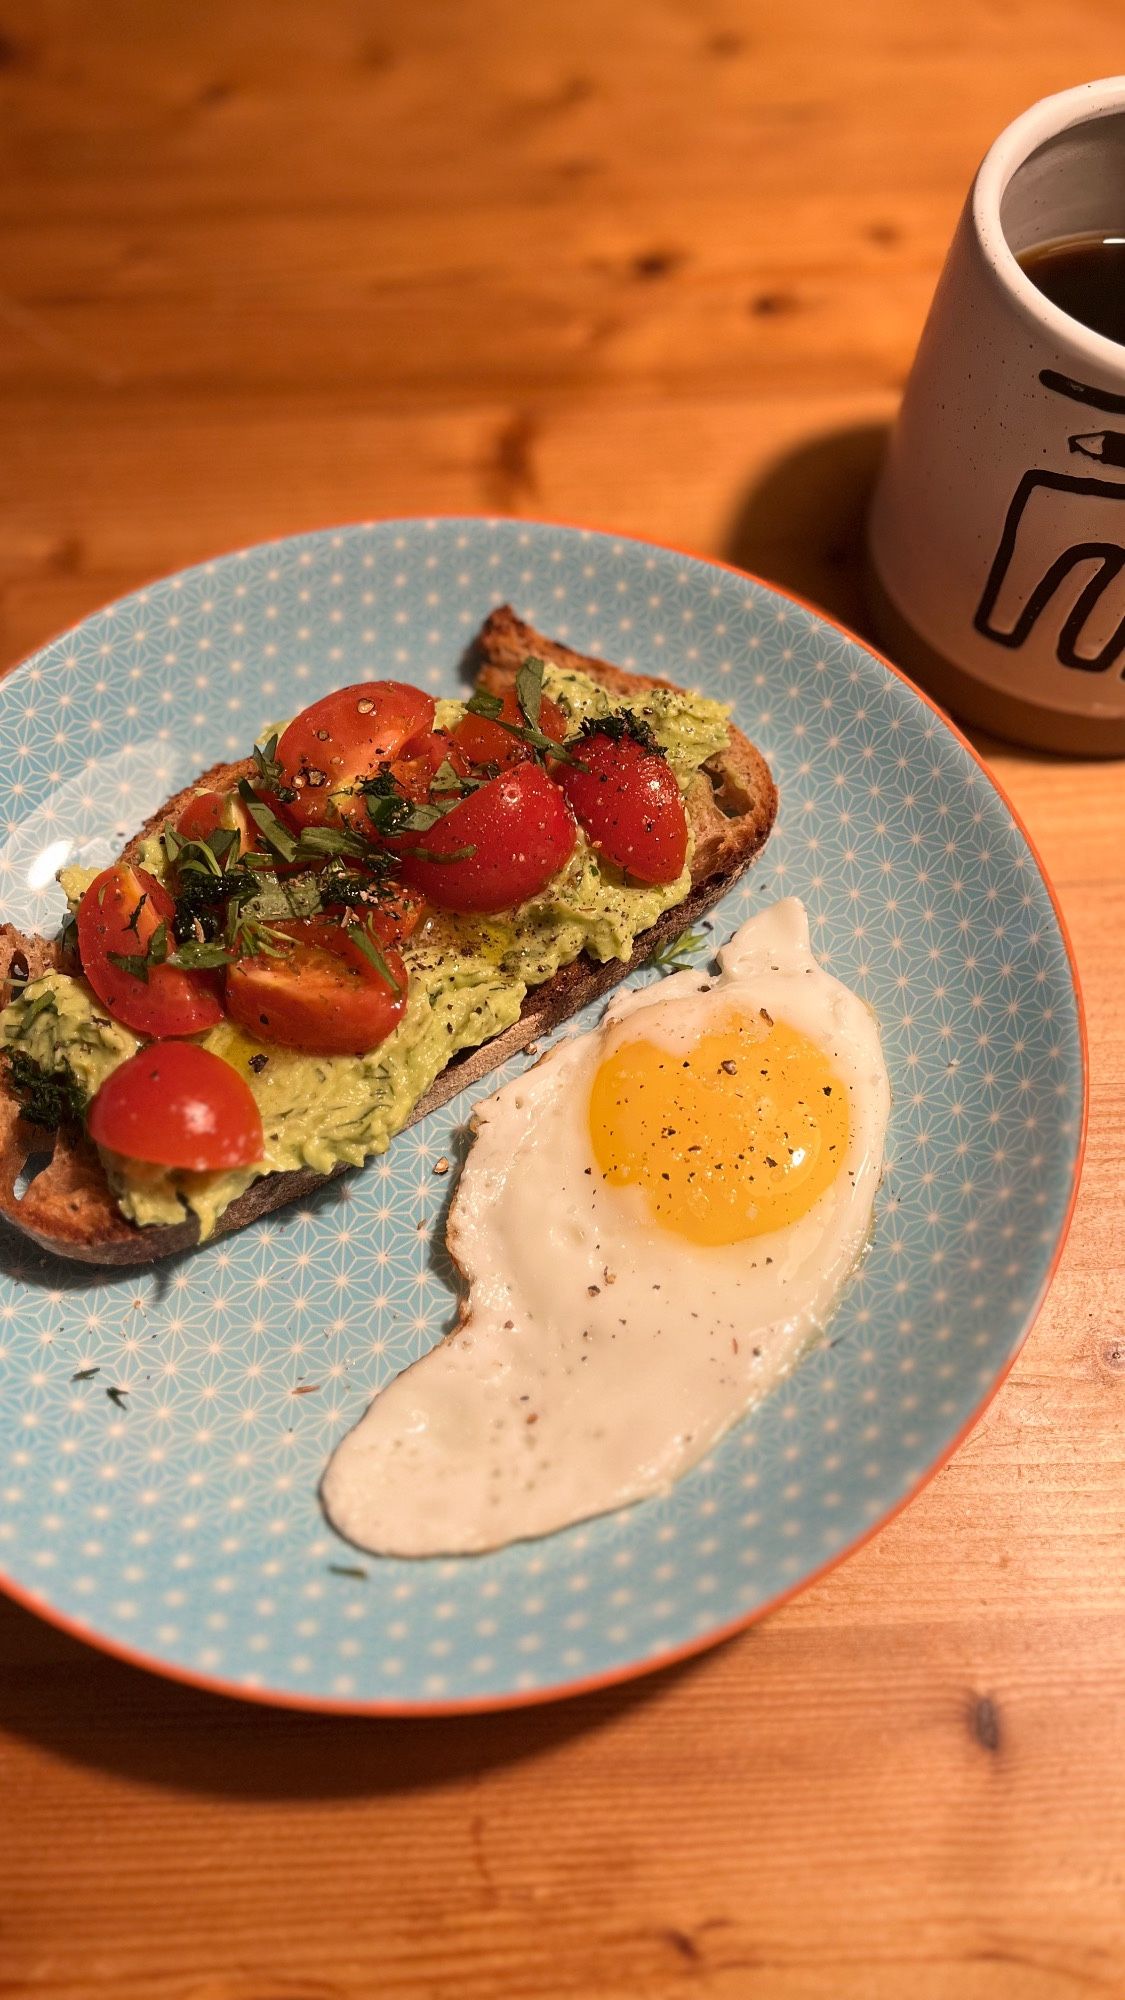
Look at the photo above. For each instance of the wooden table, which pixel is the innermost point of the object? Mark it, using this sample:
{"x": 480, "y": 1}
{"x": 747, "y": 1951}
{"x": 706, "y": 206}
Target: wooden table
{"x": 661, "y": 267}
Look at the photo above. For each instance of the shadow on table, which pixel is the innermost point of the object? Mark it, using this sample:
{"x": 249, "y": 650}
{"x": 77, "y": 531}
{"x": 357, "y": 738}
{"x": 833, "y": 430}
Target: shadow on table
{"x": 802, "y": 527}
{"x": 87, "y": 1709}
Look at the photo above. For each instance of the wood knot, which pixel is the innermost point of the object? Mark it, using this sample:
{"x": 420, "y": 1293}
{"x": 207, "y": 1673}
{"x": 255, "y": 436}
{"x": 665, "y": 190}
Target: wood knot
{"x": 771, "y": 305}
{"x": 984, "y": 1722}
{"x": 657, "y": 263}
{"x": 1112, "y": 1355}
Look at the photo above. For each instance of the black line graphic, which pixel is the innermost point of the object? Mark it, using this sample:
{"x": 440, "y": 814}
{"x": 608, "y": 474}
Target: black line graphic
{"x": 1110, "y": 558}
{"x": 1082, "y": 392}
{"x": 1108, "y": 447}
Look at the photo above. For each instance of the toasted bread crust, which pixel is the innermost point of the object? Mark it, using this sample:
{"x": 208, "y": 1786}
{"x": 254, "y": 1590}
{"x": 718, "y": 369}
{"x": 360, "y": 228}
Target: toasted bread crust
{"x": 68, "y": 1207}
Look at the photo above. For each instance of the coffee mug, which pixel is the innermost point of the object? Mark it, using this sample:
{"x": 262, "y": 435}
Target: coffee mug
{"x": 997, "y": 531}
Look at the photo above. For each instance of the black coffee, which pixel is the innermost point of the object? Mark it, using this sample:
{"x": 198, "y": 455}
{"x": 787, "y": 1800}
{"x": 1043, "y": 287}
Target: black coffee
{"x": 1085, "y": 276}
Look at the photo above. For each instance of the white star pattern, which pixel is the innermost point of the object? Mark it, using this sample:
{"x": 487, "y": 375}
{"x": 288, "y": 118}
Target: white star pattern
{"x": 185, "y": 1525}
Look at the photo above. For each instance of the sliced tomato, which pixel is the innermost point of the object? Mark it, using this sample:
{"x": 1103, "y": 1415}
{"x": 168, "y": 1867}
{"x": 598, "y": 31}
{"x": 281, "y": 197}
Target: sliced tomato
{"x": 395, "y": 915}
{"x": 175, "y": 1104}
{"x": 325, "y": 995}
{"x": 497, "y": 847}
{"x": 485, "y": 742}
{"x": 348, "y": 736}
{"x": 626, "y": 797}
{"x": 206, "y": 812}
{"x": 415, "y": 774}
{"x": 119, "y": 913}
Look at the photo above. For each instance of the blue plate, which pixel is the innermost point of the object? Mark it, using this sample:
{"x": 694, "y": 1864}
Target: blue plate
{"x": 178, "y": 1525}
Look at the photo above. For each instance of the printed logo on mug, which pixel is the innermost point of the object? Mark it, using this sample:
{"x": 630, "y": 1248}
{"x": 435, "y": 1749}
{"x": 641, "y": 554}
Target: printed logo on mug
{"x": 997, "y": 531}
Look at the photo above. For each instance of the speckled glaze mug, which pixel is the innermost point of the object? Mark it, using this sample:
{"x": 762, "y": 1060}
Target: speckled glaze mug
{"x": 997, "y": 531}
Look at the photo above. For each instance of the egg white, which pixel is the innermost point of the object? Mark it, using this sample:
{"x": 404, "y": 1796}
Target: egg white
{"x": 600, "y": 1355}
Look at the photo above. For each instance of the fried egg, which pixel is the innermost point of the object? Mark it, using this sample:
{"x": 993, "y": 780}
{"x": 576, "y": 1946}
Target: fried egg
{"x": 653, "y": 1224}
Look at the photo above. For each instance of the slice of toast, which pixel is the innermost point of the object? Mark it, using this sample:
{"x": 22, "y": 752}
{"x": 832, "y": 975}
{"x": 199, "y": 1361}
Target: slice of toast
{"x": 67, "y": 1206}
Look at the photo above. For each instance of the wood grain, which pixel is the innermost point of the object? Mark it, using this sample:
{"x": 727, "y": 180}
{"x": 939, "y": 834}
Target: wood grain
{"x": 662, "y": 267}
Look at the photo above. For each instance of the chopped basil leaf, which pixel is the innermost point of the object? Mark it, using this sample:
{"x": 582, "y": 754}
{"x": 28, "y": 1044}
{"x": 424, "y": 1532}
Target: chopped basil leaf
{"x": 315, "y": 842}
{"x": 484, "y": 703}
{"x": 529, "y": 690}
{"x": 267, "y": 822}
{"x": 362, "y": 937}
{"x": 196, "y": 955}
{"x": 42, "y": 1004}
{"x": 453, "y": 853}
{"x": 269, "y": 773}
{"x": 135, "y": 963}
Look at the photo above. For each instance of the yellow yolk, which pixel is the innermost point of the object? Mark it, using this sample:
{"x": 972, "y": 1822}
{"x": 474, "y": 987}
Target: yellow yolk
{"x": 735, "y": 1137}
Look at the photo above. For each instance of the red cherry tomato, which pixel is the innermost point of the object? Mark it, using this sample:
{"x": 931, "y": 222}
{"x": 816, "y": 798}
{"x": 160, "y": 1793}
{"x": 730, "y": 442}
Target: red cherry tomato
{"x": 415, "y": 774}
{"x": 484, "y": 742}
{"x": 626, "y": 797}
{"x": 395, "y": 916}
{"x": 119, "y": 913}
{"x": 325, "y": 995}
{"x": 348, "y": 736}
{"x": 177, "y": 1105}
{"x": 206, "y": 812}
{"x": 518, "y": 831}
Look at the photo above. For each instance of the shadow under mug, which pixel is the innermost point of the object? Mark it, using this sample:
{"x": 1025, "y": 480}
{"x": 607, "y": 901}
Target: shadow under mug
{"x": 996, "y": 539}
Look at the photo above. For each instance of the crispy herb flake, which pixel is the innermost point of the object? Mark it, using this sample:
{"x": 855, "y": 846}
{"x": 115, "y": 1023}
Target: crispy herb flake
{"x": 619, "y": 725}
{"x": 47, "y": 1098}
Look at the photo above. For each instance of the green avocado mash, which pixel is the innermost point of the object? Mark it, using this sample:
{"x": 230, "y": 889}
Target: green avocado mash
{"x": 467, "y": 981}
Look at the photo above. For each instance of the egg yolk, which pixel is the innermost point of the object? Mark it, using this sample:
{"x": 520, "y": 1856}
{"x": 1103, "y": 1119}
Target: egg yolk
{"x": 732, "y": 1138}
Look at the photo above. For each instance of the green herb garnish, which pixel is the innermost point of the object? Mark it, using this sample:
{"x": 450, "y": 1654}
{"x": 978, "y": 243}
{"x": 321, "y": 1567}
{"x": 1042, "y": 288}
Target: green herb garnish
{"x": 621, "y": 724}
{"x": 269, "y": 773}
{"x": 529, "y": 690}
{"x": 48, "y": 1098}
{"x": 362, "y": 937}
{"x": 674, "y": 956}
{"x": 43, "y": 1003}
{"x": 269, "y": 826}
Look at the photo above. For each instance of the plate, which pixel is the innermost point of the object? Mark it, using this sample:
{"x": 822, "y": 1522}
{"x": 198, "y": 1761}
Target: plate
{"x": 176, "y": 1522}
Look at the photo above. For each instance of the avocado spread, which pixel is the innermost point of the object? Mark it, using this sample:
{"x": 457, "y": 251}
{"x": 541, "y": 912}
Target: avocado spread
{"x": 467, "y": 981}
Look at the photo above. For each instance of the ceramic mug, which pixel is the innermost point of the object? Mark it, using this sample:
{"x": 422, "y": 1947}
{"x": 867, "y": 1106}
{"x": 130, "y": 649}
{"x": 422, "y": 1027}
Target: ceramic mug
{"x": 997, "y": 531}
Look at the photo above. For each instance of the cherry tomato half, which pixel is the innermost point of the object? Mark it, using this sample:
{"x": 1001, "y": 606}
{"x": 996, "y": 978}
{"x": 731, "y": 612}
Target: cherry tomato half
{"x": 626, "y": 797}
{"x": 484, "y": 742}
{"x": 348, "y": 736}
{"x": 206, "y": 812}
{"x": 119, "y": 913}
{"x": 496, "y": 848}
{"x": 325, "y": 995}
{"x": 395, "y": 916}
{"x": 415, "y": 774}
{"x": 177, "y": 1105}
